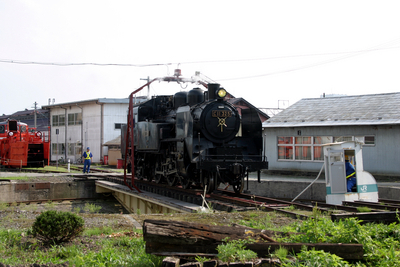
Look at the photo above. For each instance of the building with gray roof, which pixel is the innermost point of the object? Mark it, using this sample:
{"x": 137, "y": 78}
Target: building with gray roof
{"x": 293, "y": 138}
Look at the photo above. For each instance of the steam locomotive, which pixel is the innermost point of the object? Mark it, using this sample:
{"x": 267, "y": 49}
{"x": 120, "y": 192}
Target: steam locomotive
{"x": 21, "y": 146}
{"x": 194, "y": 138}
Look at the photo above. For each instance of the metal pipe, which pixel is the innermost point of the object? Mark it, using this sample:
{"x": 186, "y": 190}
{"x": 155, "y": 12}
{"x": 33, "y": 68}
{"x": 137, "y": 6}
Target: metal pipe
{"x": 323, "y": 165}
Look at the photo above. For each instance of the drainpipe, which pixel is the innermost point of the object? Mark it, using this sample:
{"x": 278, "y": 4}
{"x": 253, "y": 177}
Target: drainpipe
{"x": 81, "y": 132}
{"x": 66, "y": 128}
{"x": 101, "y": 128}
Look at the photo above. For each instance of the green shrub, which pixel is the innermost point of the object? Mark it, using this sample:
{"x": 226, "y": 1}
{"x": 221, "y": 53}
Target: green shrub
{"x": 57, "y": 227}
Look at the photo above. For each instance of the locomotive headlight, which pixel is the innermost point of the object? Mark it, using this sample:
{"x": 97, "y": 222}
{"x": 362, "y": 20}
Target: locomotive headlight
{"x": 221, "y": 93}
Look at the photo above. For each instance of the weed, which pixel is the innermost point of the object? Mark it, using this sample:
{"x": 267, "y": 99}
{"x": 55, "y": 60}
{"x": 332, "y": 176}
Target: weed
{"x": 91, "y": 208}
{"x": 234, "y": 250}
{"x": 3, "y": 205}
{"x": 98, "y": 231}
{"x": 50, "y": 205}
{"x": 281, "y": 253}
{"x": 318, "y": 258}
{"x": 202, "y": 259}
{"x": 77, "y": 210}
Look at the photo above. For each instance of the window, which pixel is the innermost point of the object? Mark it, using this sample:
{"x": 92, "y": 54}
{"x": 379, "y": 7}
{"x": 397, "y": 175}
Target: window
{"x": 285, "y": 147}
{"x": 369, "y": 140}
{"x": 301, "y": 148}
{"x": 55, "y": 120}
{"x": 318, "y": 149}
{"x": 57, "y": 149}
{"x": 117, "y": 126}
{"x": 61, "y": 120}
{"x": 74, "y": 118}
{"x": 71, "y": 148}
{"x": 58, "y": 120}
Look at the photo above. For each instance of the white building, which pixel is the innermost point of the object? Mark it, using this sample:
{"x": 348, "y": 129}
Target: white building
{"x": 86, "y": 123}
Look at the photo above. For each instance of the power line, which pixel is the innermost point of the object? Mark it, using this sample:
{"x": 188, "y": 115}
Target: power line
{"x": 23, "y": 62}
{"x": 64, "y": 64}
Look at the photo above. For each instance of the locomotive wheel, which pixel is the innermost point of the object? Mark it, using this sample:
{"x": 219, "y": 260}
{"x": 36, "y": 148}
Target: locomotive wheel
{"x": 157, "y": 177}
{"x": 172, "y": 179}
{"x": 185, "y": 182}
{"x": 139, "y": 173}
{"x": 238, "y": 187}
{"x": 209, "y": 180}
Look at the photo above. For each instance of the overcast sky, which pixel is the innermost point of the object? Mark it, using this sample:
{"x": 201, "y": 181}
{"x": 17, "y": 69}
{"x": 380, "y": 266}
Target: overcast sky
{"x": 264, "y": 51}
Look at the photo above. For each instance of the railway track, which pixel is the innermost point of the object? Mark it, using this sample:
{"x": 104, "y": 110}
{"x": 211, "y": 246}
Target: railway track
{"x": 226, "y": 200}
{"x": 223, "y": 200}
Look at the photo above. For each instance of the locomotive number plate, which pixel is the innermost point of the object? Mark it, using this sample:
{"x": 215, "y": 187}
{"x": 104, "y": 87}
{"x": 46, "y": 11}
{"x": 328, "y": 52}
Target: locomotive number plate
{"x": 221, "y": 113}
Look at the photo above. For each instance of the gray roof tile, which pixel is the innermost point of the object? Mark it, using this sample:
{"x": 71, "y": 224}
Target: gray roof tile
{"x": 347, "y": 110}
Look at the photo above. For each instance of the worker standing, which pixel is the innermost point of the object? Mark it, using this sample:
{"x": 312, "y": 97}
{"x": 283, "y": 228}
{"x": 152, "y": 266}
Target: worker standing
{"x": 87, "y": 159}
{"x": 350, "y": 175}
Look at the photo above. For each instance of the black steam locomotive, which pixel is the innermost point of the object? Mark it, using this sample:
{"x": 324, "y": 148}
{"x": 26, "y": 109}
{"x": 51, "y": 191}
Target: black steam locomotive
{"x": 194, "y": 138}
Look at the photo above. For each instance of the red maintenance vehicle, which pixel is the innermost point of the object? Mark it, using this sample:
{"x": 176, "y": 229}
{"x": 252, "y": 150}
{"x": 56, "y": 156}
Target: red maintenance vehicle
{"x": 21, "y": 146}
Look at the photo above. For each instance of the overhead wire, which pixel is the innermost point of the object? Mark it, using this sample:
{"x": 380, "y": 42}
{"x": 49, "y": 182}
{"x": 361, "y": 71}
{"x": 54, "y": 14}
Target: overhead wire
{"x": 345, "y": 55}
{"x": 64, "y": 64}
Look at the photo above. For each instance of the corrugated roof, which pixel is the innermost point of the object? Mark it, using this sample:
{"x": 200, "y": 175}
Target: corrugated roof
{"x": 374, "y": 109}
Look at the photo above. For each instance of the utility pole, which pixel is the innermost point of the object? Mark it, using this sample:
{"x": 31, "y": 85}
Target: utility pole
{"x": 148, "y": 86}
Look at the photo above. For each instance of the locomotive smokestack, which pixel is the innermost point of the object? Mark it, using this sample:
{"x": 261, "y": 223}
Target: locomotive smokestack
{"x": 212, "y": 88}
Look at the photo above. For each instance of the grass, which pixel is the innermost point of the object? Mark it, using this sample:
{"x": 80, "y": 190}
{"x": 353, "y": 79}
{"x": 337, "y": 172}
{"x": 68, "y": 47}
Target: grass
{"x": 103, "y": 251}
{"x": 112, "y": 245}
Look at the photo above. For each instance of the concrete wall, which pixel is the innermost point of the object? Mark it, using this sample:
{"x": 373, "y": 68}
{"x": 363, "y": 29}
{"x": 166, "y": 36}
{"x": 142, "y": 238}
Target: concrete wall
{"x": 18, "y": 191}
{"x": 381, "y": 159}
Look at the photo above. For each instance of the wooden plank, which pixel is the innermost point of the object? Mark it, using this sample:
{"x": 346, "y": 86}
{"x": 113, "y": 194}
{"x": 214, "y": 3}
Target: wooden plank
{"x": 180, "y": 238}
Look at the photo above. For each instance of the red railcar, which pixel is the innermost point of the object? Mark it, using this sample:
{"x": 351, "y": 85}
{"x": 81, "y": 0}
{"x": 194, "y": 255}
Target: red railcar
{"x": 21, "y": 146}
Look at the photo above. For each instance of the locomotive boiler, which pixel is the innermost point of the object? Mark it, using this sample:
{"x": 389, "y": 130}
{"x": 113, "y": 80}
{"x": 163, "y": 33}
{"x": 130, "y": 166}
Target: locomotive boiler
{"x": 21, "y": 146}
{"x": 194, "y": 138}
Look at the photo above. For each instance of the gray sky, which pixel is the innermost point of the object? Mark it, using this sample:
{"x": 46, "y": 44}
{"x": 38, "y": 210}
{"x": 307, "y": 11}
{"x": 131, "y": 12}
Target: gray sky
{"x": 264, "y": 51}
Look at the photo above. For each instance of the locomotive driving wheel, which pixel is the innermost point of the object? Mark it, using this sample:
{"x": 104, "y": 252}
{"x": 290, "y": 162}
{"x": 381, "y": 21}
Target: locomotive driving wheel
{"x": 209, "y": 181}
{"x": 185, "y": 182}
{"x": 172, "y": 179}
{"x": 238, "y": 186}
{"x": 157, "y": 176}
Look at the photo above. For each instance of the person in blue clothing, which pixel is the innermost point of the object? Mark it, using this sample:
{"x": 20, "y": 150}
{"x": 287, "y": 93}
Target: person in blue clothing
{"x": 87, "y": 159}
{"x": 350, "y": 174}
